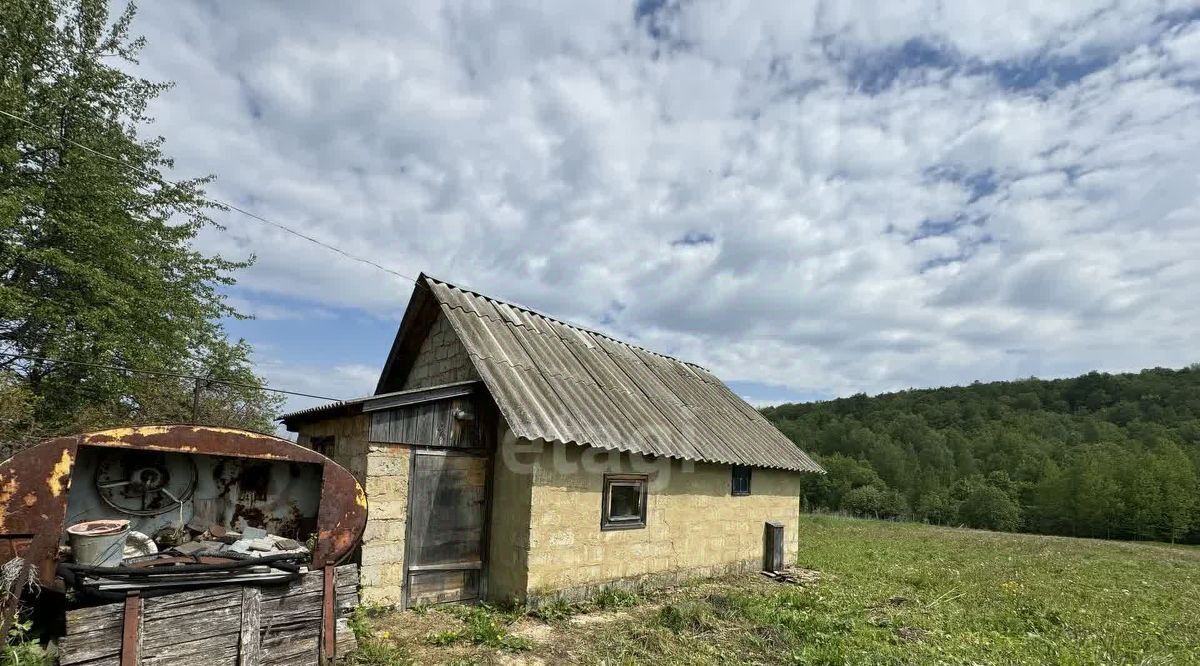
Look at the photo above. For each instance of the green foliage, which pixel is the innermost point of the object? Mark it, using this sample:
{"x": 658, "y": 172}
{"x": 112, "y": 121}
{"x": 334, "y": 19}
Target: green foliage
{"x": 98, "y": 262}
{"x": 555, "y": 610}
{"x": 1113, "y": 456}
{"x": 485, "y": 625}
{"x": 614, "y": 598}
{"x": 22, "y": 650}
{"x": 988, "y": 507}
{"x": 688, "y": 616}
{"x": 374, "y": 649}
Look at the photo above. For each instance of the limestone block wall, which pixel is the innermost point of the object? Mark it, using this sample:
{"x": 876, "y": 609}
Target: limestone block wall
{"x": 508, "y": 543}
{"x": 382, "y": 469}
{"x": 442, "y": 359}
{"x": 381, "y": 573}
{"x": 694, "y": 526}
{"x": 349, "y": 441}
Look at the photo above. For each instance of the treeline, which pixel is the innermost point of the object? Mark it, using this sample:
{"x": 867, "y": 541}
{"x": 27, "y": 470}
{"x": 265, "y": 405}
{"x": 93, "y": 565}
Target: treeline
{"x": 1111, "y": 456}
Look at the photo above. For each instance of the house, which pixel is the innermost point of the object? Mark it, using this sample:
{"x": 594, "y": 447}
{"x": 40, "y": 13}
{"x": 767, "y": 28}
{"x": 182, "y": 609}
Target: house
{"x": 508, "y": 455}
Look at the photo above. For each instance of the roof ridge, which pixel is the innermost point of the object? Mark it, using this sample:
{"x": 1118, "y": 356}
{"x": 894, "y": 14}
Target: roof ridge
{"x": 577, "y": 327}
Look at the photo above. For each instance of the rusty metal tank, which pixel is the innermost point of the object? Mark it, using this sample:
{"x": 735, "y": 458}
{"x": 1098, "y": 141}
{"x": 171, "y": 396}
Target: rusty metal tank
{"x": 156, "y": 476}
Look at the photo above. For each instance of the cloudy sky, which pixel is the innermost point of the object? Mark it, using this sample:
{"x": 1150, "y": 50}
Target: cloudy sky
{"x": 810, "y": 198}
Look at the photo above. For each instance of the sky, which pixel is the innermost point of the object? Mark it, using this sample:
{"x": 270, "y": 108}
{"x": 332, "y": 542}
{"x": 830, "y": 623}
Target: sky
{"x": 811, "y": 199}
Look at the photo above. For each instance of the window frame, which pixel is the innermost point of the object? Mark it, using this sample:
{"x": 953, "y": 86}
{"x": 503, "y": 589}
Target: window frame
{"x": 323, "y": 444}
{"x": 733, "y": 481}
{"x": 641, "y": 481}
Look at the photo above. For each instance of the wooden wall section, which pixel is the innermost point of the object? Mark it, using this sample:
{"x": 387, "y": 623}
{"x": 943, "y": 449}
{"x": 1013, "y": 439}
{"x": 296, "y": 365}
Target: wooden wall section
{"x": 455, "y": 423}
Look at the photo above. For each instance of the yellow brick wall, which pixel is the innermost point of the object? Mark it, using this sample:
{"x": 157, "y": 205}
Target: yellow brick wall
{"x": 693, "y": 524}
{"x": 508, "y": 543}
{"x": 382, "y": 570}
{"x": 383, "y": 470}
{"x": 442, "y": 359}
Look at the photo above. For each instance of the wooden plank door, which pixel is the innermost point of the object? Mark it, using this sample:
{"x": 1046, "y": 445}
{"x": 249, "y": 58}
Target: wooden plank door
{"x": 447, "y": 527}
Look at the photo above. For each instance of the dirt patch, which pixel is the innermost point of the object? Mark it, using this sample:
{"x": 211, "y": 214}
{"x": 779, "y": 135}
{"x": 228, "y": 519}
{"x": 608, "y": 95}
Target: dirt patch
{"x": 532, "y": 630}
{"x": 589, "y": 619}
{"x": 518, "y": 660}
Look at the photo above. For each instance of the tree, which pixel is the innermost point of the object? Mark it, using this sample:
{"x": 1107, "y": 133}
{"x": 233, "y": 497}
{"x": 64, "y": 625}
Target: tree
{"x": 842, "y": 475}
{"x": 1050, "y": 495}
{"x": 864, "y": 501}
{"x": 96, "y": 260}
{"x": 937, "y": 507}
{"x": 1177, "y": 480}
{"x": 988, "y": 507}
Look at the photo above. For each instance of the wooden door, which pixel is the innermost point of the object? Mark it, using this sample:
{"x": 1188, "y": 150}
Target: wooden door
{"x": 447, "y": 527}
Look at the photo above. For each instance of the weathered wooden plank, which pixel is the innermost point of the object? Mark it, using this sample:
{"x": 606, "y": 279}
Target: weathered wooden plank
{"x": 428, "y": 424}
{"x": 202, "y": 626}
{"x": 155, "y": 632}
{"x": 111, "y": 660}
{"x": 435, "y": 587}
{"x": 94, "y": 617}
{"x": 197, "y": 652}
{"x": 291, "y": 648}
{"x": 250, "y": 642}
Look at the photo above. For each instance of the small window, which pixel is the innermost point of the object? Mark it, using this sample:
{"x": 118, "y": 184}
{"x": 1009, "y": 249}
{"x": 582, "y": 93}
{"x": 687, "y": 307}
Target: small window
{"x": 624, "y": 502}
{"x": 323, "y": 445}
{"x": 741, "y": 480}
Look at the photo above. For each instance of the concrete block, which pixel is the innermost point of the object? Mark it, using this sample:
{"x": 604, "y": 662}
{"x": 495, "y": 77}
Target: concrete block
{"x": 380, "y": 529}
{"x": 387, "y": 508}
{"x": 381, "y": 553}
{"x": 391, "y": 487}
{"x": 387, "y": 462}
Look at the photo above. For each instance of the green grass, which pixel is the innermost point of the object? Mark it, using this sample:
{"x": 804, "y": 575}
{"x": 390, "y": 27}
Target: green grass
{"x": 898, "y": 594}
{"x": 483, "y": 625}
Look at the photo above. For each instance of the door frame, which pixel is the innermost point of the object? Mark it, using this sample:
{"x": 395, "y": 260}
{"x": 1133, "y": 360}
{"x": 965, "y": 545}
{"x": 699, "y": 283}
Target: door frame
{"x": 485, "y": 536}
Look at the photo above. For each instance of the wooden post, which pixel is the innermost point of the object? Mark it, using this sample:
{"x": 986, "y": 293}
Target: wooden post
{"x": 328, "y": 616}
{"x": 773, "y": 547}
{"x": 250, "y": 642}
{"x": 131, "y": 629}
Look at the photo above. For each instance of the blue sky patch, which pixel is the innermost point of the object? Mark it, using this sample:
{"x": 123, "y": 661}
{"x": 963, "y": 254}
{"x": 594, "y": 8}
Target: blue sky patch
{"x": 695, "y": 238}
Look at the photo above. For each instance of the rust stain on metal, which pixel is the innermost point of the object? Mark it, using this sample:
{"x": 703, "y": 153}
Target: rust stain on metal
{"x": 6, "y": 493}
{"x": 60, "y": 476}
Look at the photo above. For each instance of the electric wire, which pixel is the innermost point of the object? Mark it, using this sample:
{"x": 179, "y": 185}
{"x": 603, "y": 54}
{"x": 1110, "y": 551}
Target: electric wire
{"x": 153, "y": 175}
{"x": 163, "y": 373}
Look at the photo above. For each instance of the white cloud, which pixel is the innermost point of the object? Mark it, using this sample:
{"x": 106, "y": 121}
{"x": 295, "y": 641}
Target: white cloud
{"x": 1019, "y": 197}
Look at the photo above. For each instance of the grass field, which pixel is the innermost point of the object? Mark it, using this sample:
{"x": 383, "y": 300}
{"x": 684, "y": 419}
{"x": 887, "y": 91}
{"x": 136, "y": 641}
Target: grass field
{"x": 887, "y": 593}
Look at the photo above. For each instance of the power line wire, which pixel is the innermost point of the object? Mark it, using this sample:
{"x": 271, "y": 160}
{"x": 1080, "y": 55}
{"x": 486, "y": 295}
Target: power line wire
{"x": 164, "y": 373}
{"x": 224, "y": 204}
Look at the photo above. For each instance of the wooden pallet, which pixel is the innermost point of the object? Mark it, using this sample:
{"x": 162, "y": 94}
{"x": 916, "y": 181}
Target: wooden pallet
{"x": 247, "y": 626}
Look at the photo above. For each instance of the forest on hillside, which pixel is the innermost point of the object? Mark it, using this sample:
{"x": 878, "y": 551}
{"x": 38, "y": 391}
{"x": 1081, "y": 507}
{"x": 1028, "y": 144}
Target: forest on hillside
{"x": 1102, "y": 455}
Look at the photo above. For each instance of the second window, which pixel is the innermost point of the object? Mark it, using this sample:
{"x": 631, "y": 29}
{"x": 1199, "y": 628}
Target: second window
{"x": 624, "y": 500}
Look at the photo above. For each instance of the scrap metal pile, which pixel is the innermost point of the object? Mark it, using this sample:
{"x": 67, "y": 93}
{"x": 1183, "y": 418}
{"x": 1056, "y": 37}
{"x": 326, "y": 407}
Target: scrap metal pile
{"x": 106, "y": 559}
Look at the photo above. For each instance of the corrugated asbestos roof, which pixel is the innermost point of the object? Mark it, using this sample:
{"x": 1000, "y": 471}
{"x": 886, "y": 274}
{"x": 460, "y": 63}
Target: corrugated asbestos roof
{"x": 324, "y": 409}
{"x": 380, "y": 401}
{"x": 559, "y": 382}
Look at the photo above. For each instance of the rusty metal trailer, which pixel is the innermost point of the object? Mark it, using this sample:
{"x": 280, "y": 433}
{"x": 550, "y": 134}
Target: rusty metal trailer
{"x": 163, "y": 477}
